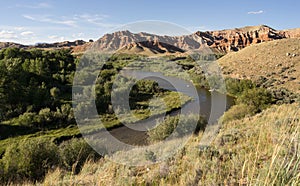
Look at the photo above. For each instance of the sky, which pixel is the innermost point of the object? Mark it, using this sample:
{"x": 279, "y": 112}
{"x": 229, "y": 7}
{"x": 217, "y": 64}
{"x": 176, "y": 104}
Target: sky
{"x": 31, "y": 22}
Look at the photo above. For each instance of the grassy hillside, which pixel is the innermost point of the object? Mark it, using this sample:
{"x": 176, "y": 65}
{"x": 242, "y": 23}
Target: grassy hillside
{"x": 275, "y": 64}
{"x": 262, "y": 149}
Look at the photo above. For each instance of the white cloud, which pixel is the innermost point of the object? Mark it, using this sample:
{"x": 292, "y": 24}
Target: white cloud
{"x": 78, "y": 35}
{"x": 27, "y": 33}
{"x": 55, "y": 38}
{"x": 6, "y": 34}
{"x": 74, "y": 21}
{"x": 256, "y": 12}
{"x": 29, "y": 17}
{"x": 19, "y": 28}
{"x": 35, "y": 6}
{"x": 95, "y": 19}
{"x": 50, "y": 19}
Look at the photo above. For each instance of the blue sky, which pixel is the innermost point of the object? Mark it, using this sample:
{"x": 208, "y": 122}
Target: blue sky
{"x": 31, "y": 21}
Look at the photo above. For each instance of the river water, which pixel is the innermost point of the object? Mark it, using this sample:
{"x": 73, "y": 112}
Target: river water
{"x": 211, "y": 105}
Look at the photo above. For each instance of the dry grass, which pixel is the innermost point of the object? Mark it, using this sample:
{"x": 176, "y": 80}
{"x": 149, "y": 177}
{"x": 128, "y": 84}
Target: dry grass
{"x": 278, "y": 61}
{"x": 258, "y": 150}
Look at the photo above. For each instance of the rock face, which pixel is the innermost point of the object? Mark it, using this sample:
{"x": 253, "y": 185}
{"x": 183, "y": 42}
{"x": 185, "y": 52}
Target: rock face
{"x": 239, "y": 38}
{"x": 123, "y": 39}
{"x": 150, "y": 48}
{"x": 222, "y": 41}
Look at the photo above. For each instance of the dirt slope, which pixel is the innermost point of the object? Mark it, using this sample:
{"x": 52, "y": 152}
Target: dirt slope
{"x": 275, "y": 63}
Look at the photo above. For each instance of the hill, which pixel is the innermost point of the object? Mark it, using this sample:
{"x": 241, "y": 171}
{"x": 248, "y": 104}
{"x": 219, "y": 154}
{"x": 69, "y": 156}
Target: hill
{"x": 274, "y": 64}
{"x": 10, "y": 45}
{"x": 261, "y": 149}
{"x": 56, "y": 45}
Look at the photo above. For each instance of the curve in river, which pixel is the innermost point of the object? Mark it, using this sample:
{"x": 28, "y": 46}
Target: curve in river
{"x": 212, "y": 106}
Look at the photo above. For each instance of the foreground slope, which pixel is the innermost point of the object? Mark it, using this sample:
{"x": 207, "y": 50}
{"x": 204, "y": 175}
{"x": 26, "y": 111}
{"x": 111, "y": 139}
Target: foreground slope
{"x": 274, "y": 64}
{"x": 262, "y": 149}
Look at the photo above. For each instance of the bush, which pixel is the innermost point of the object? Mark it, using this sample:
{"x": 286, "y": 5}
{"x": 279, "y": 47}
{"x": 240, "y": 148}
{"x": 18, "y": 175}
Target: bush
{"x": 145, "y": 86}
{"x": 236, "y": 87}
{"x": 164, "y": 129}
{"x": 65, "y": 114}
{"x": 238, "y": 112}
{"x": 258, "y": 97}
{"x": 27, "y": 119}
{"x": 74, "y": 153}
{"x": 30, "y": 159}
{"x": 46, "y": 118}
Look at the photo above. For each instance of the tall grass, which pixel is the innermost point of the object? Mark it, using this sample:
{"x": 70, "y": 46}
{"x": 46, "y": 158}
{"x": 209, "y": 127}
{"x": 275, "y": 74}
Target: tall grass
{"x": 257, "y": 150}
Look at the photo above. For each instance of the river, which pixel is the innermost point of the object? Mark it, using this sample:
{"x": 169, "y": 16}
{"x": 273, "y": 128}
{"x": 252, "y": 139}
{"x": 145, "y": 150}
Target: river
{"x": 211, "y": 105}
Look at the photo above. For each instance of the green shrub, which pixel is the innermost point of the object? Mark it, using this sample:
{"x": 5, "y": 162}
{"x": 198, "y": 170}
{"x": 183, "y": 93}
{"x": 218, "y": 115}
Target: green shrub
{"x": 46, "y": 118}
{"x": 145, "y": 86}
{"x": 29, "y": 159}
{"x": 74, "y": 153}
{"x": 27, "y": 119}
{"x": 238, "y": 112}
{"x": 258, "y": 97}
{"x": 164, "y": 129}
{"x": 65, "y": 114}
{"x": 236, "y": 87}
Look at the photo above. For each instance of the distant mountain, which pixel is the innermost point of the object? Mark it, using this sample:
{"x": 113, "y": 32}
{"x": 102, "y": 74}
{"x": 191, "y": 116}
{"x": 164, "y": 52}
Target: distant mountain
{"x": 10, "y": 44}
{"x": 118, "y": 40}
{"x": 64, "y": 44}
{"x": 222, "y": 41}
{"x": 61, "y": 44}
